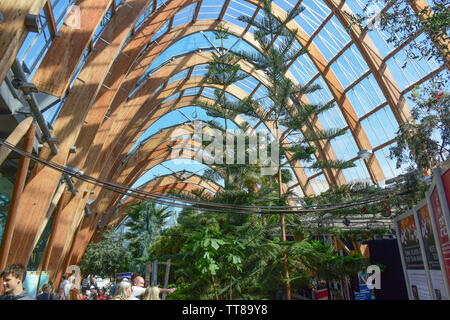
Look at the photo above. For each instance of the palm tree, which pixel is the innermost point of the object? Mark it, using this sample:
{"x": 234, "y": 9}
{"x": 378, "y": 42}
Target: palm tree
{"x": 145, "y": 222}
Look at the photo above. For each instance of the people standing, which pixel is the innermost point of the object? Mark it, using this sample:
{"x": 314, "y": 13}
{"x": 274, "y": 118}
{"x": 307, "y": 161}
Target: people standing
{"x": 46, "y": 294}
{"x": 112, "y": 291}
{"x": 13, "y": 277}
{"x": 151, "y": 293}
{"x": 64, "y": 282}
{"x": 138, "y": 289}
{"x": 75, "y": 294}
{"x": 123, "y": 291}
{"x": 69, "y": 285}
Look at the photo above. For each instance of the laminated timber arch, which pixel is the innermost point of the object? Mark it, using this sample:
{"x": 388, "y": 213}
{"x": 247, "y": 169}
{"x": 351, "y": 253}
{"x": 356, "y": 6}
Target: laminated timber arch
{"x": 109, "y": 198}
{"x": 102, "y": 90}
{"x": 164, "y": 184}
{"x": 373, "y": 58}
{"x": 13, "y": 30}
{"x": 67, "y": 127}
{"x": 324, "y": 148}
{"x": 163, "y": 94}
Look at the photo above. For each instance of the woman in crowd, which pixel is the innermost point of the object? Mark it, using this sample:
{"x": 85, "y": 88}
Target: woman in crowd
{"x": 151, "y": 293}
{"x": 75, "y": 294}
{"x": 123, "y": 291}
{"x": 47, "y": 293}
{"x": 101, "y": 295}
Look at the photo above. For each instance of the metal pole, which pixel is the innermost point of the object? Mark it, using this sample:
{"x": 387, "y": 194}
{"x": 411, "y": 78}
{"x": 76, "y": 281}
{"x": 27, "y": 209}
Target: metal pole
{"x": 155, "y": 273}
{"x": 18, "y": 72}
{"x": 30, "y": 96}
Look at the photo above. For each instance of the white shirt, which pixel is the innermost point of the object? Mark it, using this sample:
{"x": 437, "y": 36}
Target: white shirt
{"x": 136, "y": 293}
{"x": 67, "y": 288}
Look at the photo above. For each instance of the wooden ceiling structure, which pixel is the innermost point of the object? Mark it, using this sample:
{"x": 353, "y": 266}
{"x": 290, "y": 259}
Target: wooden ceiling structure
{"x": 104, "y": 120}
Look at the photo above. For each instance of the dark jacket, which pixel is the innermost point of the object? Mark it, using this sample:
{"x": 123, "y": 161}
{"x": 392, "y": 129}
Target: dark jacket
{"x": 21, "y": 296}
{"x": 45, "y": 296}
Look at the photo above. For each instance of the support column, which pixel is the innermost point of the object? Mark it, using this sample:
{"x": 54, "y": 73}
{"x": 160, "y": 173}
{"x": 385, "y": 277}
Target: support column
{"x": 17, "y": 193}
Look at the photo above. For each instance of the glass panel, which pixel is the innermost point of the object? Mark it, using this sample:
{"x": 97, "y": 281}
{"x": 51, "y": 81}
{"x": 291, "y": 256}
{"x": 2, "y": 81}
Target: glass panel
{"x": 332, "y": 38}
{"x": 184, "y": 16}
{"x": 380, "y": 127}
{"x": 237, "y": 9}
{"x": 319, "y": 184}
{"x": 210, "y": 9}
{"x": 349, "y": 67}
{"x": 345, "y": 146}
{"x": 312, "y": 17}
{"x": 366, "y": 96}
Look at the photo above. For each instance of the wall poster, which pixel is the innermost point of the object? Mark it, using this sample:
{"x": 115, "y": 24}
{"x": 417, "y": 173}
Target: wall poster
{"x": 442, "y": 231}
{"x": 426, "y": 232}
{"x": 413, "y": 260}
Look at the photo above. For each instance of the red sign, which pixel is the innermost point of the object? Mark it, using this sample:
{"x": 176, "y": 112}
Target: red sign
{"x": 446, "y": 183}
{"x": 442, "y": 232}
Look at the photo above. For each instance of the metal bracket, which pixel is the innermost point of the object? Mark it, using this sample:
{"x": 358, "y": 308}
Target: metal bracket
{"x": 33, "y": 23}
{"x": 26, "y": 87}
{"x": 51, "y": 139}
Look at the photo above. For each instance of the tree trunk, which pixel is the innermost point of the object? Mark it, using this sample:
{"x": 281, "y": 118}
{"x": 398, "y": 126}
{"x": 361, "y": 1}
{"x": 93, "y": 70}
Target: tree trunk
{"x": 287, "y": 285}
{"x": 214, "y": 287}
{"x": 231, "y": 287}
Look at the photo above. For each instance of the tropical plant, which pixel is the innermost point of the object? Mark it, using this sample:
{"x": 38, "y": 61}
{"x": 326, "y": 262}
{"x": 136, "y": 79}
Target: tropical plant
{"x": 144, "y": 223}
{"x": 106, "y": 257}
{"x": 405, "y": 20}
{"x": 213, "y": 252}
{"x": 423, "y": 141}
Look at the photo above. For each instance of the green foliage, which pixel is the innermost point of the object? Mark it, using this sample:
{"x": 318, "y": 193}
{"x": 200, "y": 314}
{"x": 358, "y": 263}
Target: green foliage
{"x": 402, "y": 24}
{"x": 145, "y": 221}
{"x": 286, "y": 111}
{"x": 416, "y": 142}
{"x": 107, "y": 257}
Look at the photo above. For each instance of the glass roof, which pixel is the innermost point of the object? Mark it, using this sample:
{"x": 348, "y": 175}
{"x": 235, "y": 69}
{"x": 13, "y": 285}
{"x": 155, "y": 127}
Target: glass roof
{"x": 325, "y": 31}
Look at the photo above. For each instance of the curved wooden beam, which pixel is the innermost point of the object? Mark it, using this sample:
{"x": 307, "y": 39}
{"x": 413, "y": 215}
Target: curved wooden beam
{"x": 374, "y": 60}
{"x": 59, "y": 63}
{"x": 163, "y": 94}
{"x": 164, "y": 184}
{"x": 324, "y": 149}
{"x": 14, "y": 138}
{"x": 66, "y": 129}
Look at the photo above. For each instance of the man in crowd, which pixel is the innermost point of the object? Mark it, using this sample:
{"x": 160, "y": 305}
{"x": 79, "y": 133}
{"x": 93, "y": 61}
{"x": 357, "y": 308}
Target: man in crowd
{"x": 112, "y": 291}
{"x": 138, "y": 288}
{"x": 13, "y": 277}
